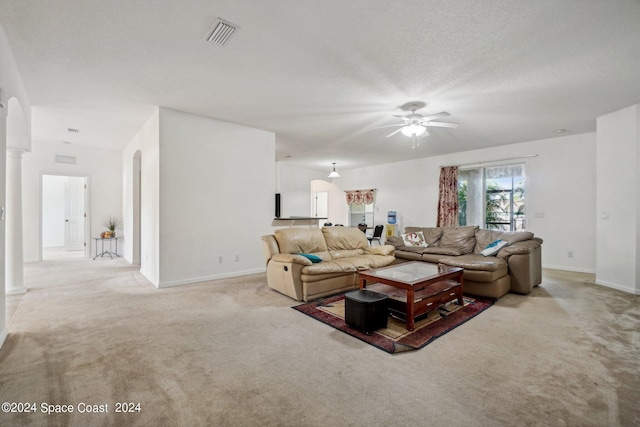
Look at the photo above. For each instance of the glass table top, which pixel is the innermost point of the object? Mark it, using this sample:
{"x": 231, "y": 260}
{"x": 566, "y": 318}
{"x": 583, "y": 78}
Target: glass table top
{"x": 411, "y": 272}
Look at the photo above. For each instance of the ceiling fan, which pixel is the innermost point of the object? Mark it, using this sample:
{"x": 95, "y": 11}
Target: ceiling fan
{"x": 415, "y": 124}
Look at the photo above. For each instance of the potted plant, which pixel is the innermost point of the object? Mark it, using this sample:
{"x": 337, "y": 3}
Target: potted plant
{"x": 111, "y": 223}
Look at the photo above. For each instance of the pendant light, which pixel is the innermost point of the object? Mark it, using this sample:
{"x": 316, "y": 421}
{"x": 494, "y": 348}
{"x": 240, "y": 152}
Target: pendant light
{"x": 334, "y": 174}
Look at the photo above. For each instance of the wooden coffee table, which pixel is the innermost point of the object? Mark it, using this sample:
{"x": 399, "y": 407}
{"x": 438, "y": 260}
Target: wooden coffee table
{"x": 427, "y": 286}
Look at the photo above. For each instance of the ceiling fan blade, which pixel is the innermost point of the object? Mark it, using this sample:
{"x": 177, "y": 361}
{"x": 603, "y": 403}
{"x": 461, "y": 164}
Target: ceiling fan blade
{"x": 394, "y": 132}
{"x": 388, "y": 126}
{"x": 441, "y": 124}
{"x": 436, "y": 116}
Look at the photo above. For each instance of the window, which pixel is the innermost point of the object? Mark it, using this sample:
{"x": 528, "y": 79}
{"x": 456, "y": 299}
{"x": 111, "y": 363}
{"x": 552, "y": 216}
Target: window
{"x": 361, "y": 206}
{"x": 361, "y": 214}
{"x": 492, "y": 197}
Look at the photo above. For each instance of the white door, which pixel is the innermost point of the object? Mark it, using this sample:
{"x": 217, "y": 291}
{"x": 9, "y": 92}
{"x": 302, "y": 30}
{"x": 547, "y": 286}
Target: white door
{"x": 321, "y": 205}
{"x": 74, "y": 214}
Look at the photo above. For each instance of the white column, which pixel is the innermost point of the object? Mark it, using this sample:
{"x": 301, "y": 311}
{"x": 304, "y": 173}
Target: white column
{"x": 14, "y": 274}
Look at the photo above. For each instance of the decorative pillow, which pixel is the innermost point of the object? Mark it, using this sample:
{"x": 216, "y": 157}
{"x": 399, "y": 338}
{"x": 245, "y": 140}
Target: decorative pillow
{"x": 313, "y": 258}
{"x": 414, "y": 239}
{"x": 494, "y": 247}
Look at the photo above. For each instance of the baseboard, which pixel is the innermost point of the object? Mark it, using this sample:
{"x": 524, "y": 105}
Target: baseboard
{"x": 572, "y": 269}
{"x": 212, "y": 277}
{"x": 3, "y": 336}
{"x": 597, "y": 282}
{"x": 617, "y": 287}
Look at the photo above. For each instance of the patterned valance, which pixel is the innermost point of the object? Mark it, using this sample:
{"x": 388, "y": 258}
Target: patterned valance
{"x": 361, "y": 196}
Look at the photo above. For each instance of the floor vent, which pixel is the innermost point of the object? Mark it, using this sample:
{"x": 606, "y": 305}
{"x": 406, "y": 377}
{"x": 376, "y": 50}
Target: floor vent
{"x": 221, "y": 32}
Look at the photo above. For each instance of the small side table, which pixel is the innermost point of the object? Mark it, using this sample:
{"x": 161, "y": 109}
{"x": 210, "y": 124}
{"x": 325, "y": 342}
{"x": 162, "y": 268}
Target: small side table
{"x": 108, "y": 251}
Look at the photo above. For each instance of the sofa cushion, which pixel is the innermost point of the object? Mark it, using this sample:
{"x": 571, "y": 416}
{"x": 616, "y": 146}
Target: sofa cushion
{"x": 484, "y": 237}
{"x": 300, "y": 240}
{"x": 347, "y": 253}
{"x": 431, "y": 235}
{"x": 380, "y": 250}
{"x": 415, "y": 250}
{"x": 344, "y": 238}
{"x": 359, "y": 262}
{"x": 484, "y": 276}
{"x": 442, "y": 251}
{"x": 462, "y": 238}
{"x": 329, "y": 267}
{"x": 512, "y": 237}
{"x": 377, "y": 261}
{"x": 410, "y": 255}
{"x": 475, "y": 262}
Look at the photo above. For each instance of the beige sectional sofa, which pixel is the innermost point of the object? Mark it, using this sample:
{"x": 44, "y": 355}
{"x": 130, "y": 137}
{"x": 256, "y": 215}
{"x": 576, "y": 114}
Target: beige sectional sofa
{"x": 343, "y": 252}
{"x": 516, "y": 267}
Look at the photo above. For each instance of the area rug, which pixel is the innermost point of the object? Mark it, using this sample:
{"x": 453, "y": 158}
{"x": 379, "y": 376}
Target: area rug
{"x": 395, "y": 338}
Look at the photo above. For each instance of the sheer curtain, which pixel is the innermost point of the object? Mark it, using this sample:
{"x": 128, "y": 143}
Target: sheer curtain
{"x": 448, "y": 196}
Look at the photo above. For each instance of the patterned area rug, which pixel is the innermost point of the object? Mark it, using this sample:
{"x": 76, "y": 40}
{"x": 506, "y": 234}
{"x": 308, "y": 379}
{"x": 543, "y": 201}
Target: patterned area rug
{"x": 395, "y": 338}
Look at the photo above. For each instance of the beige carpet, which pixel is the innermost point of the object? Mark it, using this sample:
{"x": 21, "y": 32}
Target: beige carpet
{"x": 233, "y": 353}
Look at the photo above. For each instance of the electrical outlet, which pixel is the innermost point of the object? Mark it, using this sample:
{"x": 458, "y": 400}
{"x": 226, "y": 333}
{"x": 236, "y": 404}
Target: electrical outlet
{"x": 220, "y": 259}
{"x": 570, "y": 254}
{"x": 237, "y": 257}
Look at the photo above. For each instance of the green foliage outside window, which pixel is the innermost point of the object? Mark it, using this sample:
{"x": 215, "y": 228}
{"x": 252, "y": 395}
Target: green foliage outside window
{"x": 498, "y": 205}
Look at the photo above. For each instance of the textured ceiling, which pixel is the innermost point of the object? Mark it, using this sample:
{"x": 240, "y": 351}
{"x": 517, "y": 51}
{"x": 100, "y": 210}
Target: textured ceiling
{"x": 322, "y": 73}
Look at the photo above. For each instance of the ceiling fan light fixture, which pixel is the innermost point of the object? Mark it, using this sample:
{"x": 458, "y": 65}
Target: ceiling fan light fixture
{"x": 334, "y": 174}
{"x": 413, "y": 130}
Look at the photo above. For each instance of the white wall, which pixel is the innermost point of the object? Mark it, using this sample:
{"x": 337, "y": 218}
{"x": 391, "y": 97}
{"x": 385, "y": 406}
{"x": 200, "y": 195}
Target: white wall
{"x": 104, "y": 171}
{"x": 216, "y": 197}
{"x": 618, "y": 199}
{"x": 560, "y": 185}
{"x": 53, "y": 210}
{"x": 147, "y": 141}
{"x": 294, "y": 185}
{"x": 11, "y": 87}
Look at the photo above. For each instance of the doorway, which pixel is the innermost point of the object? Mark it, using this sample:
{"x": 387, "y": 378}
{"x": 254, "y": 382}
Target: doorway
{"x": 64, "y": 224}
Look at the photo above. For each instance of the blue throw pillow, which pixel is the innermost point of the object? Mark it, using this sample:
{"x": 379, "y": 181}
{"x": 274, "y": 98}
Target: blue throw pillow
{"x": 313, "y": 258}
{"x": 494, "y": 247}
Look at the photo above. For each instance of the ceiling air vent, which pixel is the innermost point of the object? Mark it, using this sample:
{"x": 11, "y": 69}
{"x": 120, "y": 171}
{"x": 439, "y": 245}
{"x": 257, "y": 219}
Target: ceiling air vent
{"x": 65, "y": 159}
{"x": 221, "y": 32}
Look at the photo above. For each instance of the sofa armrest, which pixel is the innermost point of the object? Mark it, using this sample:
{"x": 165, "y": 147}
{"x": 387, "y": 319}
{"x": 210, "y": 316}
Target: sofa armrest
{"x": 291, "y": 258}
{"x": 381, "y": 250}
{"x": 519, "y": 248}
{"x": 269, "y": 247}
{"x": 286, "y": 278}
{"x": 394, "y": 241}
{"x": 525, "y": 268}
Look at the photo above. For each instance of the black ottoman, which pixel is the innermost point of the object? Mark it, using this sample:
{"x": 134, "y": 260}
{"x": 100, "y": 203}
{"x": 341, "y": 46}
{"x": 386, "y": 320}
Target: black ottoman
{"x": 365, "y": 310}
